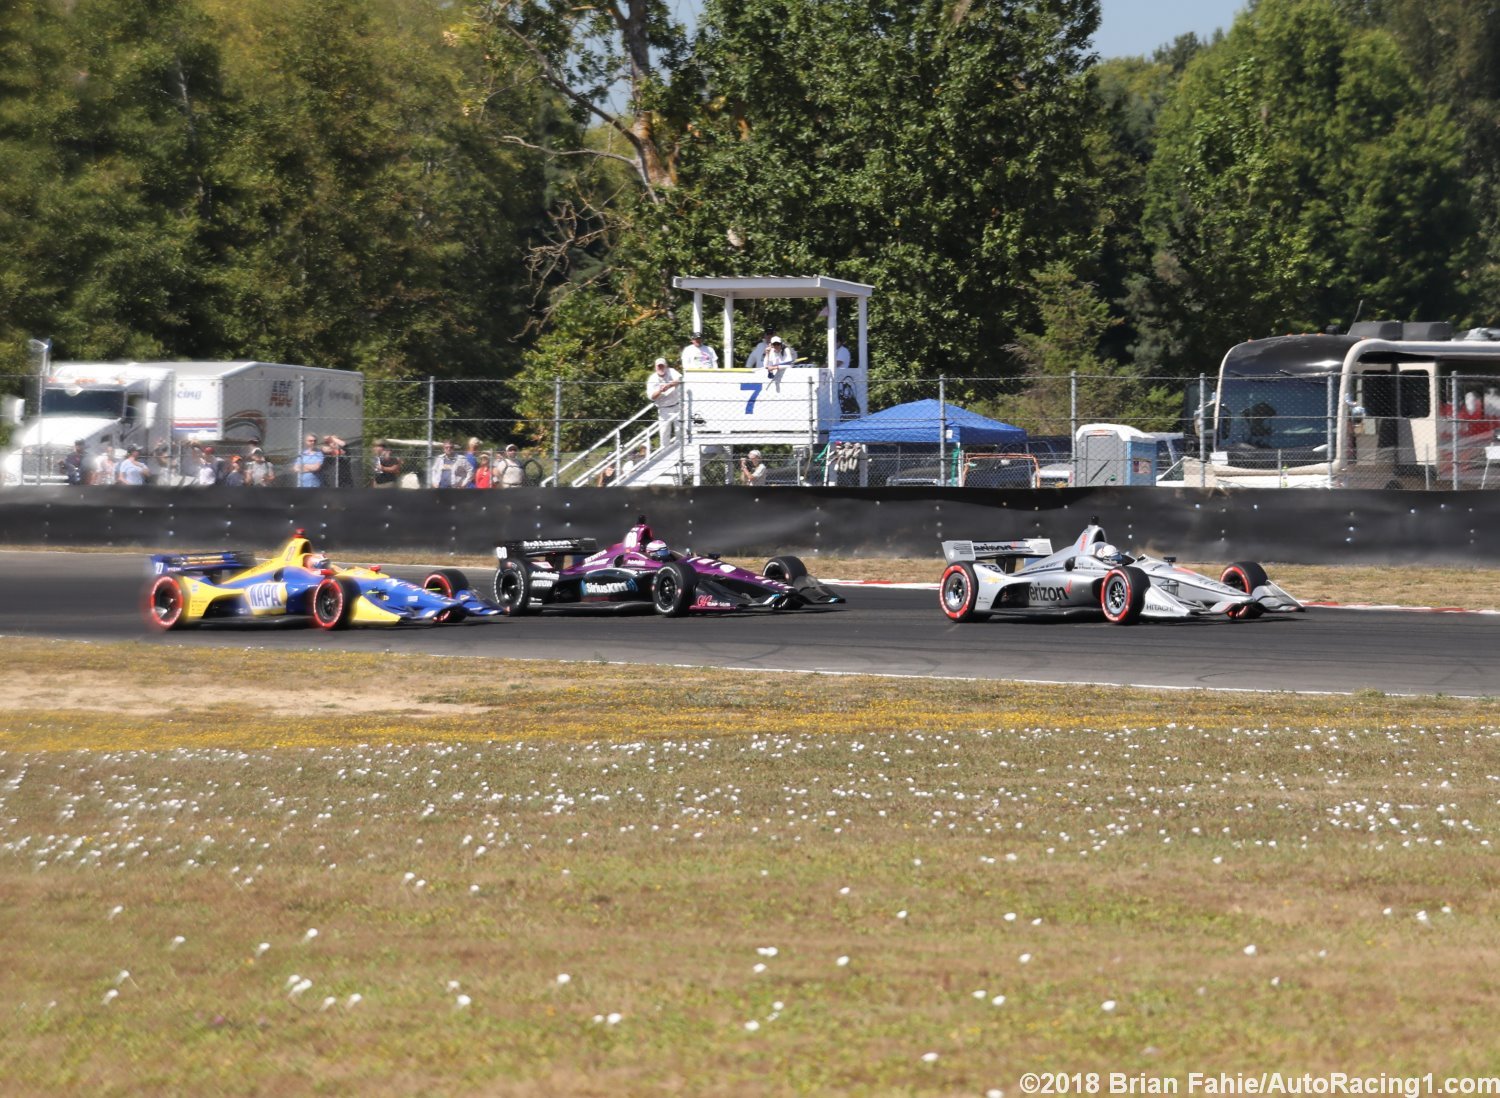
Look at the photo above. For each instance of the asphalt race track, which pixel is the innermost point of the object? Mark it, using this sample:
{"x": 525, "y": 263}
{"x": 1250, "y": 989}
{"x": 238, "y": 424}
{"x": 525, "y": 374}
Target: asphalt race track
{"x": 95, "y": 596}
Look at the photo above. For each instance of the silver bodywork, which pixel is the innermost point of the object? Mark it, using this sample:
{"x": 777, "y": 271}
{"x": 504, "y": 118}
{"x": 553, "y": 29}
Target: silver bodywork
{"x": 1091, "y": 575}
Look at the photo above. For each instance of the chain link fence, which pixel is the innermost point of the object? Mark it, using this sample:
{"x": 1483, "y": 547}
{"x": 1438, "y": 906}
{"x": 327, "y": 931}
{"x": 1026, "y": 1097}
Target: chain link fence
{"x": 1386, "y": 430}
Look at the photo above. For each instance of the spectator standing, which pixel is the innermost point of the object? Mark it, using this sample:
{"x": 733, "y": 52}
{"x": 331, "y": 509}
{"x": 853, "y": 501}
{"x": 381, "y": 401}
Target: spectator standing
{"x": 449, "y": 469}
{"x": 753, "y": 471}
{"x": 75, "y": 464}
{"x": 102, "y": 470}
{"x": 482, "y": 473}
{"x": 132, "y": 470}
{"x": 841, "y": 355}
{"x": 234, "y": 473}
{"x": 309, "y": 464}
{"x": 471, "y": 455}
{"x": 336, "y": 462}
{"x": 758, "y": 352}
{"x": 259, "y": 473}
{"x": 697, "y": 355}
{"x": 162, "y": 469}
{"x": 209, "y": 471}
{"x": 509, "y": 473}
{"x": 664, "y": 389}
{"x": 387, "y": 466}
{"x": 778, "y": 356}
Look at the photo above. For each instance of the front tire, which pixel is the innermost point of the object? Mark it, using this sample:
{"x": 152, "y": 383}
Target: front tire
{"x": 447, "y": 582}
{"x": 672, "y": 592}
{"x": 786, "y": 569}
{"x": 1246, "y": 576}
{"x": 333, "y": 602}
{"x": 958, "y": 592}
{"x": 1123, "y": 594}
{"x": 166, "y": 604}
{"x": 513, "y": 587}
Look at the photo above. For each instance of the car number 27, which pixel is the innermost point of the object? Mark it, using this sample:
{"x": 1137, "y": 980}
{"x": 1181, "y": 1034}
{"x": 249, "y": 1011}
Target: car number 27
{"x": 266, "y": 596}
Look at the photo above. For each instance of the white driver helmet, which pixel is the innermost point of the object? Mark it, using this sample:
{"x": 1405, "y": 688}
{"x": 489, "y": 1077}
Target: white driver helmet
{"x": 658, "y": 550}
{"x": 1107, "y": 553}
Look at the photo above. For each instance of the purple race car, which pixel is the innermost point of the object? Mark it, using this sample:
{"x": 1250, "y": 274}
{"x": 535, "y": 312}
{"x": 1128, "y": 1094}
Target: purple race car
{"x": 644, "y": 571}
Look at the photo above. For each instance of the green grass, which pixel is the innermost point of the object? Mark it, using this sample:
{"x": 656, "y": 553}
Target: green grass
{"x": 1142, "y": 841}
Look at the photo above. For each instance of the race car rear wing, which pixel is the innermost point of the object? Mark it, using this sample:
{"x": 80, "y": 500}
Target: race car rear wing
{"x": 207, "y": 561}
{"x": 956, "y": 551}
{"x": 545, "y": 547}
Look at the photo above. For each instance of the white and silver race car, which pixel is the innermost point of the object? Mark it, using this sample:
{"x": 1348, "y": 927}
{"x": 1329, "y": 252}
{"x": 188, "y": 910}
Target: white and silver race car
{"x": 1091, "y": 575}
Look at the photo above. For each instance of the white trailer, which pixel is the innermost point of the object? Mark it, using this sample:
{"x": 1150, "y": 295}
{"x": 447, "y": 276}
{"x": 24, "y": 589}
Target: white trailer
{"x": 231, "y": 405}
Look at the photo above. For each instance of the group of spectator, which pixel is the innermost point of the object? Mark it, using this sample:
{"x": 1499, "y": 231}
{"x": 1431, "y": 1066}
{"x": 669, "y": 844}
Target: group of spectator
{"x": 471, "y": 468}
{"x": 195, "y": 464}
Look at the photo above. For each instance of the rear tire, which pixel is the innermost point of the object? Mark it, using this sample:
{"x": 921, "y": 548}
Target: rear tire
{"x": 1123, "y": 594}
{"x": 672, "y": 591}
{"x": 333, "y": 602}
{"x": 166, "y": 604}
{"x": 1246, "y": 576}
{"x": 958, "y": 592}
{"x": 786, "y": 569}
{"x": 513, "y": 587}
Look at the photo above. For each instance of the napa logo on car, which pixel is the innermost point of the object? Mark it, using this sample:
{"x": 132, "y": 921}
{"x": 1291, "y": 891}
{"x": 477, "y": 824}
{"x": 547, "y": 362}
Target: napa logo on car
{"x": 266, "y": 596}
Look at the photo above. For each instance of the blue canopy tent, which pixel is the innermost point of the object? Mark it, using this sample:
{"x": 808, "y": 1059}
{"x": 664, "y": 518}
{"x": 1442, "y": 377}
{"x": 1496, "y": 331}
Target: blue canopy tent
{"x": 922, "y": 430}
{"x": 925, "y": 422}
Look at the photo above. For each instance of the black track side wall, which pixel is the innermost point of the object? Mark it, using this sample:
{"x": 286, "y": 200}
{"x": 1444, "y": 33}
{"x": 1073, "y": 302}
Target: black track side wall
{"x": 1303, "y": 526}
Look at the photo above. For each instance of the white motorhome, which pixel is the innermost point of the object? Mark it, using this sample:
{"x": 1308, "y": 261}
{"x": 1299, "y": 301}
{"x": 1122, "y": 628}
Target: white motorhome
{"x": 1387, "y": 405}
{"x": 231, "y": 405}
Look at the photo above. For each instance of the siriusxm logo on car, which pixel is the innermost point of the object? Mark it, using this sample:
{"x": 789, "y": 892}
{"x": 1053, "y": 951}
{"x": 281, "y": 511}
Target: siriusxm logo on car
{"x": 616, "y": 588}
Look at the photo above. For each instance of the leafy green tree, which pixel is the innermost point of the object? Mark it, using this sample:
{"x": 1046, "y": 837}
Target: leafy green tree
{"x": 1299, "y": 171}
{"x": 380, "y": 228}
{"x": 115, "y": 127}
{"x": 1063, "y": 363}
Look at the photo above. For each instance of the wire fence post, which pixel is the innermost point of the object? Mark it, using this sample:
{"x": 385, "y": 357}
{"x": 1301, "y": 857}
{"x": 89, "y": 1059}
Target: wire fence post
{"x": 431, "y": 418}
{"x": 1332, "y": 430}
{"x": 1073, "y": 422}
{"x": 942, "y": 430}
{"x": 301, "y": 412}
{"x": 1453, "y": 425}
{"x": 557, "y": 432}
{"x": 1203, "y": 431}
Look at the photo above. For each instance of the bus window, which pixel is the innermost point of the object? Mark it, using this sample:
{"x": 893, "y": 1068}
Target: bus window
{"x": 1397, "y": 396}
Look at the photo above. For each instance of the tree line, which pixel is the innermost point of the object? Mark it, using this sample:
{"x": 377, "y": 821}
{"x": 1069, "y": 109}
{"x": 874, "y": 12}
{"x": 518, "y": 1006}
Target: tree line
{"x": 505, "y": 188}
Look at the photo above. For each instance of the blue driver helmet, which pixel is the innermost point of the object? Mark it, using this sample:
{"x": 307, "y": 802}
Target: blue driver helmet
{"x": 1108, "y": 554}
{"x": 657, "y": 550}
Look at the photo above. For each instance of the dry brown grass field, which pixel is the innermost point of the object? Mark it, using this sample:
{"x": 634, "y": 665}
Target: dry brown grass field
{"x": 391, "y": 875}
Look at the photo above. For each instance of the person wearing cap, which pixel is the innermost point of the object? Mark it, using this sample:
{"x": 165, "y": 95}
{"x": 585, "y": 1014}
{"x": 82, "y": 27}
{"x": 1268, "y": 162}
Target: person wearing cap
{"x": 698, "y": 355}
{"x": 664, "y": 389}
{"x": 259, "y": 473}
{"x": 209, "y": 472}
{"x": 753, "y": 471}
{"x": 758, "y": 352}
{"x": 450, "y": 469}
{"x": 234, "y": 472}
{"x": 778, "y": 356}
{"x": 508, "y": 472}
{"x": 132, "y": 470}
{"x": 74, "y": 465}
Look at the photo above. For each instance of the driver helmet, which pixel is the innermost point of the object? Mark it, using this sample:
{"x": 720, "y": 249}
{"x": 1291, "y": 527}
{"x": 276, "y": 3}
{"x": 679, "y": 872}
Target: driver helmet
{"x": 658, "y": 550}
{"x": 1107, "y": 553}
{"x": 316, "y": 562}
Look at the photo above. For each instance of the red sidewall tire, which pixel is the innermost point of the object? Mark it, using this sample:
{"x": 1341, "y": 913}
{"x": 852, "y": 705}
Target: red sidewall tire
{"x": 958, "y": 592}
{"x": 1244, "y": 576}
{"x": 1122, "y": 594}
{"x": 166, "y": 603}
{"x": 332, "y": 603}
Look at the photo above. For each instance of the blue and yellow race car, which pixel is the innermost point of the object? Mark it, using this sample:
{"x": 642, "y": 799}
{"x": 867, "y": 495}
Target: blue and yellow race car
{"x": 187, "y": 589}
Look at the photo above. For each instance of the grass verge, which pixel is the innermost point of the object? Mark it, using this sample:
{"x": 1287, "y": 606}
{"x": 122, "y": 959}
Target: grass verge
{"x": 751, "y": 885}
